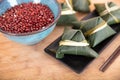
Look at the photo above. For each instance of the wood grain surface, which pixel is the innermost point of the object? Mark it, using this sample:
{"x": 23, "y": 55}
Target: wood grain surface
{"x": 20, "y": 62}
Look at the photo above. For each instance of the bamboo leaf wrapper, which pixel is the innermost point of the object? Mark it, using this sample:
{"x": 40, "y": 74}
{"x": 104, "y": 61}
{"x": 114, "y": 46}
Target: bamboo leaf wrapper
{"x": 81, "y": 5}
{"x": 82, "y": 48}
{"x": 67, "y": 16}
{"x": 96, "y": 30}
{"x": 109, "y": 11}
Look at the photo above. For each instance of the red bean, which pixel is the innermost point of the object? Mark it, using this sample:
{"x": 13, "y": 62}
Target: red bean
{"x": 26, "y": 17}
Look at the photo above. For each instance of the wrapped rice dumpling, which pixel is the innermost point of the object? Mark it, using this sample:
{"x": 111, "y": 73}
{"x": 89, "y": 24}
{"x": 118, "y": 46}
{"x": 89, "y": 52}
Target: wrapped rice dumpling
{"x": 110, "y": 12}
{"x": 96, "y": 30}
{"x": 74, "y": 43}
{"x": 67, "y": 15}
{"x": 81, "y": 5}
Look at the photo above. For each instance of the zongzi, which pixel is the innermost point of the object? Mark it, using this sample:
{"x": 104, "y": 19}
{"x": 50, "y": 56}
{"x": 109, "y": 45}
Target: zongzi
{"x": 67, "y": 15}
{"x": 73, "y": 42}
{"x": 109, "y": 11}
{"x": 81, "y": 5}
{"x": 96, "y": 30}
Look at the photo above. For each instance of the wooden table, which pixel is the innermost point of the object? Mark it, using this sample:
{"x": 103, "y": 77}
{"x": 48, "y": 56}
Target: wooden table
{"x": 20, "y": 62}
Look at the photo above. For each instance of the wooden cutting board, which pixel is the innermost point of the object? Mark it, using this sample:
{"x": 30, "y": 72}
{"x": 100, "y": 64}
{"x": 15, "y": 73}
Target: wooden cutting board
{"x": 20, "y": 62}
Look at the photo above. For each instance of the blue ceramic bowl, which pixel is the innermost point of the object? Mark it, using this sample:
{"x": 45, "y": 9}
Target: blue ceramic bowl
{"x": 33, "y": 37}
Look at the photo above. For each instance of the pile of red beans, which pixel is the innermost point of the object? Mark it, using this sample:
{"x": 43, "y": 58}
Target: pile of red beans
{"x": 26, "y": 17}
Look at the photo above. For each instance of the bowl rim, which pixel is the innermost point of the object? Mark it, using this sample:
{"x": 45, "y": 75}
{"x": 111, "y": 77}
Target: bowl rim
{"x": 35, "y": 32}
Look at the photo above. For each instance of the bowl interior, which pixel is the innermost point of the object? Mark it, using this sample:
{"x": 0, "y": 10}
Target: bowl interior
{"x": 53, "y": 5}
